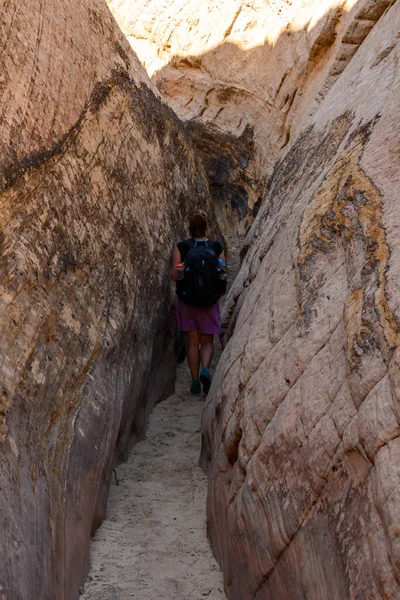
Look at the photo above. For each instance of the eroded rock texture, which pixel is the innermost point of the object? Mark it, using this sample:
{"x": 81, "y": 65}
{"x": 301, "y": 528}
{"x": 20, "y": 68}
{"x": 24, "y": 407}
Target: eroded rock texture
{"x": 97, "y": 180}
{"x": 258, "y": 69}
{"x": 302, "y": 424}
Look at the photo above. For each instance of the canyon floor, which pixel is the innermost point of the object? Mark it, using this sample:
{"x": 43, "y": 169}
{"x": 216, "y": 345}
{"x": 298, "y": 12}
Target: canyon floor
{"x": 153, "y": 544}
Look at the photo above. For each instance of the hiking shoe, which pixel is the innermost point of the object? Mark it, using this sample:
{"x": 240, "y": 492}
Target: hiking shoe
{"x": 205, "y": 379}
{"x": 195, "y": 388}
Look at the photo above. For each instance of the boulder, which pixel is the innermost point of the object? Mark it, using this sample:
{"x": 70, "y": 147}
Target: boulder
{"x": 97, "y": 178}
{"x": 301, "y": 429}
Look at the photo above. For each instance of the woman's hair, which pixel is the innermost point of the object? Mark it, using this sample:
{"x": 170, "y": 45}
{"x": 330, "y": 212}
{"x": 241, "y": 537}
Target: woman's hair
{"x": 198, "y": 225}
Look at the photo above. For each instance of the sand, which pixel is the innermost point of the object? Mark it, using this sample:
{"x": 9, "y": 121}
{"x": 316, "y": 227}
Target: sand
{"x": 153, "y": 543}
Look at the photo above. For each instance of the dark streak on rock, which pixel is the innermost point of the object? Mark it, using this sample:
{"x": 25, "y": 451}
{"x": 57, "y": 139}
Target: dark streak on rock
{"x": 225, "y": 158}
{"x": 15, "y": 168}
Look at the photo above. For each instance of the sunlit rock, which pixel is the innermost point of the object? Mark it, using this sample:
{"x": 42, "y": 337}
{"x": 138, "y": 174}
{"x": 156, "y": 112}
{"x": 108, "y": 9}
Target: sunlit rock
{"x": 302, "y": 424}
{"x": 96, "y": 182}
{"x": 234, "y": 67}
{"x": 301, "y": 427}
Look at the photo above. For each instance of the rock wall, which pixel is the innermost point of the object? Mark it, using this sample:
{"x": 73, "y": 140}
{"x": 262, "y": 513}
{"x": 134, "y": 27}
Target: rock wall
{"x": 301, "y": 430}
{"x": 253, "y": 71}
{"x": 96, "y": 182}
{"x": 293, "y": 109}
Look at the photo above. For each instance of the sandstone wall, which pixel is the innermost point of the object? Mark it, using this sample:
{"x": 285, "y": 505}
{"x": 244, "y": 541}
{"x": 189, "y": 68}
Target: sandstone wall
{"x": 302, "y": 423}
{"x": 245, "y": 77}
{"x": 96, "y": 182}
{"x": 301, "y": 427}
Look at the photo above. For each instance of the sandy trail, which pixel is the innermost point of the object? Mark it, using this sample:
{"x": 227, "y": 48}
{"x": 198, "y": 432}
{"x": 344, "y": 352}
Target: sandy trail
{"x": 153, "y": 544}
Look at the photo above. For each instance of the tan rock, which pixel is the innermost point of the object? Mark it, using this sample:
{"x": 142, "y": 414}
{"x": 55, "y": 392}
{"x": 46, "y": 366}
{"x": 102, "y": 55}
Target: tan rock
{"x": 232, "y": 66}
{"x": 96, "y": 175}
{"x": 301, "y": 427}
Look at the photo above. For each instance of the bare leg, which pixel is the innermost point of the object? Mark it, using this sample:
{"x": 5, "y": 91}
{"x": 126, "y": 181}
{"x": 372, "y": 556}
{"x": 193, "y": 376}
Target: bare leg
{"x": 193, "y": 353}
{"x": 206, "y": 349}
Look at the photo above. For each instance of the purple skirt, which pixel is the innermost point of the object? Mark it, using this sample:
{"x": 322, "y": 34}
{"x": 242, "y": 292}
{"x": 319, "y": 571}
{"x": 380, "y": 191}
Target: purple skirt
{"x": 206, "y": 319}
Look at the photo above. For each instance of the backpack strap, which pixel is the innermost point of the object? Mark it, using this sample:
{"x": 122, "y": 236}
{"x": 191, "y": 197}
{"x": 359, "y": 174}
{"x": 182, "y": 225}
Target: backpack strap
{"x": 203, "y": 241}
{"x": 186, "y": 245}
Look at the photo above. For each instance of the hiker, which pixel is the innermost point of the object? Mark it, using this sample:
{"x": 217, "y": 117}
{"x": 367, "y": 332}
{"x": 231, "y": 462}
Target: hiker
{"x": 199, "y": 270}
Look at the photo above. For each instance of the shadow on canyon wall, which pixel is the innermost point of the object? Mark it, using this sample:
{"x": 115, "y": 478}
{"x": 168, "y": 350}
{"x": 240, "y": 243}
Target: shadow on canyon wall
{"x": 243, "y": 108}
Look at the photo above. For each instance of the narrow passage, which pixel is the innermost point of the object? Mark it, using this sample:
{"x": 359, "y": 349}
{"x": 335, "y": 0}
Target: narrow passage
{"x": 153, "y": 544}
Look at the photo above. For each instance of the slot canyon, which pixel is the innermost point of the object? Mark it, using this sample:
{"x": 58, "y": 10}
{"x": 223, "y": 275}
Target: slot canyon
{"x": 277, "y": 118}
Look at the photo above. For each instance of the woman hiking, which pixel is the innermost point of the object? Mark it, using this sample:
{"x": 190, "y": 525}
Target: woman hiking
{"x": 198, "y": 268}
